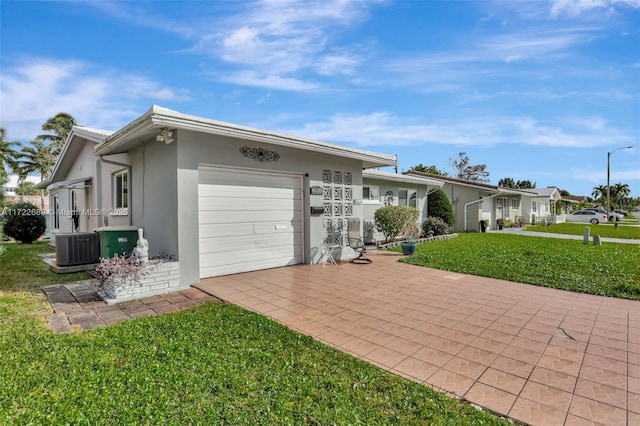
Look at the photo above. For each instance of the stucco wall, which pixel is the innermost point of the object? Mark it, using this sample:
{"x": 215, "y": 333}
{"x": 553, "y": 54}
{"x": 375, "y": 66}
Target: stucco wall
{"x": 197, "y": 149}
{"x": 370, "y": 206}
{"x": 155, "y": 200}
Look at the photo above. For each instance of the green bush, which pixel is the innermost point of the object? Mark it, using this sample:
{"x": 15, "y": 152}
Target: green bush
{"x": 393, "y": 220}
{"x": 435, "y": 225}
{"x": 439, "y": 206}
{"x": 25, "y": 223}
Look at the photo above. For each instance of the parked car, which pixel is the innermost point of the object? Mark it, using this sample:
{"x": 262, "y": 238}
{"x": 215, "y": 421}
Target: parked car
{"x": 613, "y": 216}
{"x": 587, "y": 216}
{"x": 622, "y": 212}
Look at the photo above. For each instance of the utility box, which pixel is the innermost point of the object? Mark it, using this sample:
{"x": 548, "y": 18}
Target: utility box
{"x": 117, "y": 240}
{"x": 78, "y": 248}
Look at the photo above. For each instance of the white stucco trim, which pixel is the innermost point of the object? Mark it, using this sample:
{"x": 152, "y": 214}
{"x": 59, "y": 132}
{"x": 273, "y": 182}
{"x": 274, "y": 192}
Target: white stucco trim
{"x": 158, "y": 117}
{"x": 393, "y": 177}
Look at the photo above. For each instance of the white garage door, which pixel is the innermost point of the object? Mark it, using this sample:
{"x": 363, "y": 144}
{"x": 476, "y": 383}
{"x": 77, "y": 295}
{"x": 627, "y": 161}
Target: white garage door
{"x": 248, "y": 221}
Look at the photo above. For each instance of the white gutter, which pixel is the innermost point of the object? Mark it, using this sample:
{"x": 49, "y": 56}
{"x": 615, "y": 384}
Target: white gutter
{"x": 474, "y": 202}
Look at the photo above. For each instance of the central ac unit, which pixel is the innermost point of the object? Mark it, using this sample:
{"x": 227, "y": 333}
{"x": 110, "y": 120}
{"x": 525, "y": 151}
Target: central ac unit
{"x": 78, "y": 248}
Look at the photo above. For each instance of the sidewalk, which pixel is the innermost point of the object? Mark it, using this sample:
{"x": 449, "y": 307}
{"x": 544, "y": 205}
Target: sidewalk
{"x": 520, "y": 231}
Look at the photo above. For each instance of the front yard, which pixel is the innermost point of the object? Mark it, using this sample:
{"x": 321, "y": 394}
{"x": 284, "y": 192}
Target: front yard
{"x": 214, "y": 364}
{"x": 606, "y": 270}
{"x": 606, "y": 230}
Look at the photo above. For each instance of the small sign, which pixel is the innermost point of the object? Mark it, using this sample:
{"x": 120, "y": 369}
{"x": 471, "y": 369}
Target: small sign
{"x": 123, "y": 240}
{"x": 317, "y": 210}
{"x": 316, "y": 190}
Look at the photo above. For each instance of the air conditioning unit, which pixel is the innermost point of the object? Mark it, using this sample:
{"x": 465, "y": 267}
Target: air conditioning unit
{"x": 78, "y": 248}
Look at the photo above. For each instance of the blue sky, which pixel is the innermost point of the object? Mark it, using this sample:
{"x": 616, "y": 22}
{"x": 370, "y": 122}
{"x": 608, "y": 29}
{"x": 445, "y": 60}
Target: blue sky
{"x": 537, "y": 90}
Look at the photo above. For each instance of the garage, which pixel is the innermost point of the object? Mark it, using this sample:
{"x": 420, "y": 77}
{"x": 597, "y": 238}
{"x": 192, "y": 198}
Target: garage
{"x": 248, "y": 220}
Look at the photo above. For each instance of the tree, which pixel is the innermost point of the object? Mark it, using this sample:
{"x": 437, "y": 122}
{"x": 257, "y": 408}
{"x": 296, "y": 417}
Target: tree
{"x": 507, "y": 183}
{"x": 465, "y": 171}
{"x": 4, "y": 178}
{"x": 9, "y": 154}
{"x": 429, "y": 169}
{"x": 37, "y": 158}
{"x": 61, "y": 125}
{"x": 26, "y": 188}
{"x": 438, "y": 205}
{"x": 525, "y": 184}
{"x": 563, "y": 192}
{"x": 599, "y": 192}
{"x": 619, "y": 192}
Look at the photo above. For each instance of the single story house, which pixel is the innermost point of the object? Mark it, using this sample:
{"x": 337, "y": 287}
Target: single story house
{"x": 380, "y": 189}
{"x": 543, "y": 205}
{"x": 220, "y": 197}
{"x": 475, "y": 201}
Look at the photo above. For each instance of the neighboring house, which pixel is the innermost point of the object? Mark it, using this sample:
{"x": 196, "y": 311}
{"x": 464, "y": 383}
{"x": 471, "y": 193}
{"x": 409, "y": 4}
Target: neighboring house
{"x": 543, "y": 205}
{"x": 568, "y": 203}
{"x": 221, "y": 198}
{"x": 383, "y": 188}
{"x": 474, "y": 201}
{"x": 11, "y": 186}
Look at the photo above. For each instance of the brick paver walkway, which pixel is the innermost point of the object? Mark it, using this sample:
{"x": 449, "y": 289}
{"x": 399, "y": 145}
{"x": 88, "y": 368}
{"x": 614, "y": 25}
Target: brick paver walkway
{"x": 537, "y": 355}
{"x": 78, "y": 307}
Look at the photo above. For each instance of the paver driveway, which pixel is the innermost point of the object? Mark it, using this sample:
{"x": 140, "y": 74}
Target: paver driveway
{"x": 538, "y": 355}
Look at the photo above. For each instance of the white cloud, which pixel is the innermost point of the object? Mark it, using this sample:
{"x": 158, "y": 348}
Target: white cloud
{"x": 38, "y": 88}
{"x": 574, "y": 8}
{"x": 385, "y": 129}
{"x": 268, "y": 81}
{"x": 276, "y": 41}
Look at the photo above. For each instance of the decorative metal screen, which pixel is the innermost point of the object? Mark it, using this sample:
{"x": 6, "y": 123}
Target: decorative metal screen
{"x": 337, "y": 202}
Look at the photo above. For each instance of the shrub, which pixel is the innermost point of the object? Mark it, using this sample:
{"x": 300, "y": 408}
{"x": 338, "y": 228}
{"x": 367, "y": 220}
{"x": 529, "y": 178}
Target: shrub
{"x": 435, "y": 226}
{"x": 25, "y": 223}
{"x": 439, "y": 206}
{"x": 393, "y": 220}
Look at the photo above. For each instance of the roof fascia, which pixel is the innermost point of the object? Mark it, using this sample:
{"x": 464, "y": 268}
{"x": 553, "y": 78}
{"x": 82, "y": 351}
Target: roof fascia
{"x": 158, "y": 117}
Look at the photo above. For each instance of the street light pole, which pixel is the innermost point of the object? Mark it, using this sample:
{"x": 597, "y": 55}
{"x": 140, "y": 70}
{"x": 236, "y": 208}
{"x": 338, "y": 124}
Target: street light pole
{"x": 609, "y": 175}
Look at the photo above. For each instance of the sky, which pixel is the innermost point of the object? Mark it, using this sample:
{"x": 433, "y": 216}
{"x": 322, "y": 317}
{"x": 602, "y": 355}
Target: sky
{"x": 536, "y": 90}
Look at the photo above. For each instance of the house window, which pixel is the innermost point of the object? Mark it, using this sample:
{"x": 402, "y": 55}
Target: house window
{"x": 56, "y": 212}
{"x": 74, "y": 200}
{"x": 515, "y": 204}
{"x": 371, "y": 193}
{"x": 534, "y": 206}
{"x": 408, "y": 197}
{"x": 121, "y": 190}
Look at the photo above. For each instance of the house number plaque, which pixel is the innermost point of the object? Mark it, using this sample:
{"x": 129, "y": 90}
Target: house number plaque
{"x": 316, "y": 190}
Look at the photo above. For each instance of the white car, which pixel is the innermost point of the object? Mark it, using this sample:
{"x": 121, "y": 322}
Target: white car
{"x": 613, "y": 216}
{"x": 587, "y": 216}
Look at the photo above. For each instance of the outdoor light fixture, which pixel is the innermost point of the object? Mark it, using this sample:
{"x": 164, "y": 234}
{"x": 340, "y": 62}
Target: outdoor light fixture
{"x": 165, "y": 136}
{"x": 609, "y": 176}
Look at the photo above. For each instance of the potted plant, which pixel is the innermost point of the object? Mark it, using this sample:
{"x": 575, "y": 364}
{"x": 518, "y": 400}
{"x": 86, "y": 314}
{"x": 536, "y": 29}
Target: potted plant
{"x": 411, "y": 236}
{"x": 500, "y": 223}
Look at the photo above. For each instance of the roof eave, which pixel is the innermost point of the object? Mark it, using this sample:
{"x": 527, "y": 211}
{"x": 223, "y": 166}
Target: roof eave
{"x": 158, "y": 117}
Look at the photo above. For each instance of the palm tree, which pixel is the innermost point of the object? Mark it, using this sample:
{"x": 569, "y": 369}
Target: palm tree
{"x": 619, "y": 192}
{"x": 9, "y": 154}
{"x": 37, "y": 158}
{"x": 599, "y": 191}
{"x": 61, "y": 125}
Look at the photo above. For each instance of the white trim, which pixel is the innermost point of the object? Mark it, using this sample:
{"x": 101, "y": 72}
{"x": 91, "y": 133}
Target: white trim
{"x": 158, "y": 117}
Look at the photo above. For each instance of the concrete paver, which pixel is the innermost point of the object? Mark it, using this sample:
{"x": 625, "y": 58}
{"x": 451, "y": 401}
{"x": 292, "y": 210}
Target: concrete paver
{"x": 538, "y": 355}
{"x": 77, "y": 306}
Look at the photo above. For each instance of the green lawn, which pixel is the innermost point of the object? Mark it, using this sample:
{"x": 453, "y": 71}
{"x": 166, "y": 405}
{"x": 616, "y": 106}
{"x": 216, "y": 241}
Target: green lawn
{"x": 603, "y": 229}
{"x": 213, "y": 364}
{"x": 22, "y": 268}
{"x": 607, "y": 270}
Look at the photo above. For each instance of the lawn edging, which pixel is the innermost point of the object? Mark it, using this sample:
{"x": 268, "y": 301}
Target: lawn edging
{"x": 420, "y": 240}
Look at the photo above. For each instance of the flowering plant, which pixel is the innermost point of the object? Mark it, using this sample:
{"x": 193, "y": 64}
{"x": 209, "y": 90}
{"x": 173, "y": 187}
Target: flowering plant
{"x": 411, "y": 234}
{"x": 124, "y": 269}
